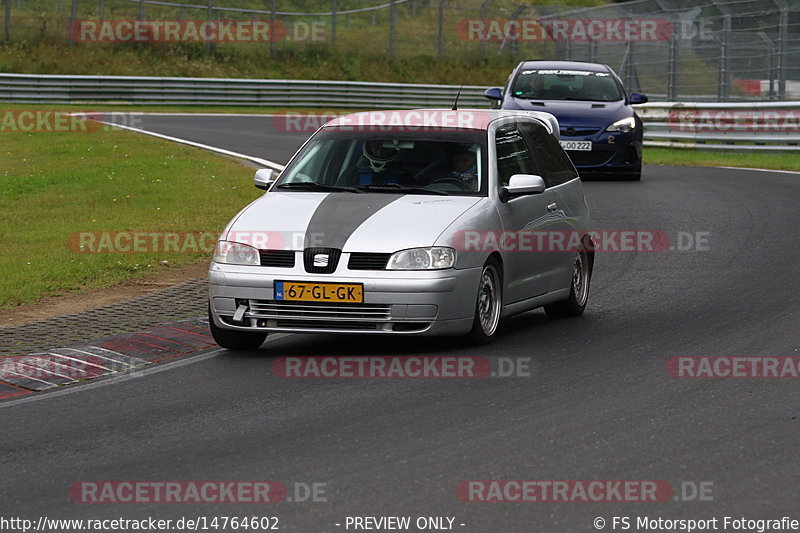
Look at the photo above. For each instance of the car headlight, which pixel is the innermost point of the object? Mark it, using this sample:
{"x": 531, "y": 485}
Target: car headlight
{"x": 625, "y": 125}
{"x": 236, "y": 253}
{"x": 435, "y": 258}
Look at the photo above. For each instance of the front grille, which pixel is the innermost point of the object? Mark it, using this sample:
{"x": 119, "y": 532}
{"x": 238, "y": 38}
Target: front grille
{"x": 321, "y": 260}
{"x": 277, "y": 258}
{"x": 574, "y": 132}
{"x": 327, "y": 324}
{"x": 595, "y": 157}
{"x": 323, "y": 311}
{"x": 368, "y": 261}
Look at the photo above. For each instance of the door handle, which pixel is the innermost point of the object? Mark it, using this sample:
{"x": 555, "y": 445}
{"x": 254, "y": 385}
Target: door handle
{"x": 552, "y": 207}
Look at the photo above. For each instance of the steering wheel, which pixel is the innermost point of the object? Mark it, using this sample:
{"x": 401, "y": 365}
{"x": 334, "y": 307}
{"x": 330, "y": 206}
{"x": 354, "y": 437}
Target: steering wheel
{"x": 453, "y": 181}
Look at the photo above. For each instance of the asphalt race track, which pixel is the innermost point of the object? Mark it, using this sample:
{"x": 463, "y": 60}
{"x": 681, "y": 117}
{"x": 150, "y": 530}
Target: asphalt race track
{"x": 598, "y": 405}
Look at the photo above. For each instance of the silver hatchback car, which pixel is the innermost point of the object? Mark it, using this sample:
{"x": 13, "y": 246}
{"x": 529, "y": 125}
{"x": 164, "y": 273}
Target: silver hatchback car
{"x": 421, "y": 222}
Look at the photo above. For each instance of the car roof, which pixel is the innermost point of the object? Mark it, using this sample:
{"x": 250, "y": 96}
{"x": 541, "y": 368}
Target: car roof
{"x": 570, "y": 65}
{"x": 461, "y": 119}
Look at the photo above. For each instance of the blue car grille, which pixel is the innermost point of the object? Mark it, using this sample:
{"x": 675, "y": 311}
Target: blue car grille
{"x": 590, "y": 158}
{"x": 575, "y": 132}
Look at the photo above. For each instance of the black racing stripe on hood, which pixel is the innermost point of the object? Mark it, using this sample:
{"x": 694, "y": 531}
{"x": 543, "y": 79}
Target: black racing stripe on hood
{"x": 340, "y": 214}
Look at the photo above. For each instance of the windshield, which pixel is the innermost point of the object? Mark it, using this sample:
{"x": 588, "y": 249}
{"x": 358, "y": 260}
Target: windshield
{"x": 420, "y": 162}
{"x": 564, "y": 84}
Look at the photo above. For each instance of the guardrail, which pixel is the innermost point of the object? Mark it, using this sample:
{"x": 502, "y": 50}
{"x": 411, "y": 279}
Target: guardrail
{"x": 51, "y": 88}
{"x": 722, "y": 126}
{"x": 727, "y": 126}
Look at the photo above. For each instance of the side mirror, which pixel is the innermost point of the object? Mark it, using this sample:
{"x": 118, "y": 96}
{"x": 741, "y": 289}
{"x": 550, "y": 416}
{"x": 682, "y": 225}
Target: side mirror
{"x": 638, "y": 98}
{"x": 522, "y": 184}
{"x": 264, "y": 178}
{"x": 495, "y": 93}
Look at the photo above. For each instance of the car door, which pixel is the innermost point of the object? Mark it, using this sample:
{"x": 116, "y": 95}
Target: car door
{"x": 566, "y": 202}
{"x": 527, "y": 271}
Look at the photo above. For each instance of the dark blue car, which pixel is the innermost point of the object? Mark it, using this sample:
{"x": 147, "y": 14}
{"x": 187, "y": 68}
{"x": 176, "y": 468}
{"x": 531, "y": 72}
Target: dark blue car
{"x": 599, "y": 129}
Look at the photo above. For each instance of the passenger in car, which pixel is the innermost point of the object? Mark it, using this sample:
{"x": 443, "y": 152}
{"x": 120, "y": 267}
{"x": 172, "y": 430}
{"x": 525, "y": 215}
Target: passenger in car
{"x": 464, "y": 163}
{"x": 593, "y": 89}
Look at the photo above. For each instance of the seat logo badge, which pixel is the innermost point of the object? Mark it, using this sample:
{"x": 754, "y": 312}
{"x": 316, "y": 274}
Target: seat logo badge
{"x": 320, "y": 260}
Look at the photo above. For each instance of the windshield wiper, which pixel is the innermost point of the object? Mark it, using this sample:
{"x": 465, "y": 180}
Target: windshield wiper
{"x": 313, "y": 186}
{"x": 396, "y": 187}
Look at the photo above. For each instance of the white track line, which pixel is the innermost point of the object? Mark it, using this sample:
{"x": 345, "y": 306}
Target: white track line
{"x": 117, "y": 379}
{"x": 257, "y": 160}
{"x": 125, "y": 376}
{"x": 762, "y": 170}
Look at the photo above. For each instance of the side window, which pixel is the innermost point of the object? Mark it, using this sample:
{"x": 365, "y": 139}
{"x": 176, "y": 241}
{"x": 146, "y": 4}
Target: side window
{"x": 513, "y": 156}
{"x": 557, "y": 165}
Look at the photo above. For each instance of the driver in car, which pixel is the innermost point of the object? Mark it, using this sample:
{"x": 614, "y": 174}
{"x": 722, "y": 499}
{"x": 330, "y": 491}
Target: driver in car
{"x": 379, "y": 166}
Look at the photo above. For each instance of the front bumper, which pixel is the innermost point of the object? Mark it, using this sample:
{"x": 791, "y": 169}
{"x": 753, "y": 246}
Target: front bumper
{"x": 440, "y": 302}
{"x": 612, "y": 153}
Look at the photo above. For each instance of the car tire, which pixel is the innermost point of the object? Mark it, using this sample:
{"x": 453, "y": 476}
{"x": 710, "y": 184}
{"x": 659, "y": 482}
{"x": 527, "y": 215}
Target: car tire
{"x": 235, "y": 340}
{"x": 578, "y": 292}
{"x": 489, "y": 304}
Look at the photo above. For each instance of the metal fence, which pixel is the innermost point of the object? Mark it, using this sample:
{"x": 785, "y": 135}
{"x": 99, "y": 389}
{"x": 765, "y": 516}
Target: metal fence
{"x": 738, "y": 126}
{"x": 720, "y": 50}
{"x": 696, "y": 50}
{"x": 89, "y": 90}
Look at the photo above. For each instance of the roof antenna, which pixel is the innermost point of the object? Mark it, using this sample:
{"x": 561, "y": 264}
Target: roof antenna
{"x": 458, "y": 95}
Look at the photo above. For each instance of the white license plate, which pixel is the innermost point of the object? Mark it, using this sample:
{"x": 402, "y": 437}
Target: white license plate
{"x": 582, "y": 146}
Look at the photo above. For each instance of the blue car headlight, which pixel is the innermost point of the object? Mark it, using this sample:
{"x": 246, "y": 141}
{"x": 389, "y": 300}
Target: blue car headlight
{"x": 624, "y": 126}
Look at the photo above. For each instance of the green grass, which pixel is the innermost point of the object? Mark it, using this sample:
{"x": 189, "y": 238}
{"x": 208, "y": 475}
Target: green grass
{"x": 312, "y": 62}
{"x": 53, "y": 185}
{"x": 40, "y": 44}
{"x": 711, "y": 158}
